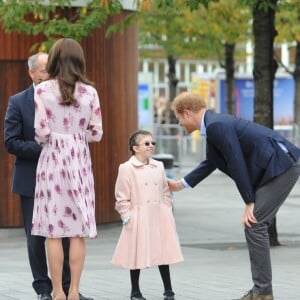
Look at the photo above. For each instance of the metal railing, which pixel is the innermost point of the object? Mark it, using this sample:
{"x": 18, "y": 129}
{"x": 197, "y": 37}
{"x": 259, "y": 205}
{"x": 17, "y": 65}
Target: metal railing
{"x": 189, "y": 150}
{"x": 186, "y": 149}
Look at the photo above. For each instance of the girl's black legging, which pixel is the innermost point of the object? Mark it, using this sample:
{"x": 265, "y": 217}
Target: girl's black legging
{"x": 135, "y": 276}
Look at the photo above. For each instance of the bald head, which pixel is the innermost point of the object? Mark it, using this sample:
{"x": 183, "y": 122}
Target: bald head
{"x": 37, "y": 67}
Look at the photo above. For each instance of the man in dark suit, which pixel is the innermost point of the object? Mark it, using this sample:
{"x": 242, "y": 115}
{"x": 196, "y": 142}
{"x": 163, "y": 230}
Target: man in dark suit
{"x": 263, "y": 165}
{"x": 19, "y": 141}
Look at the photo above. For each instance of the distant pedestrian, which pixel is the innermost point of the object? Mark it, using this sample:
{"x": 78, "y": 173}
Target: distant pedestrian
{"x": 143, "y": 199}
{"x": 161, "y": 110}
{"x": 263, "y": 165}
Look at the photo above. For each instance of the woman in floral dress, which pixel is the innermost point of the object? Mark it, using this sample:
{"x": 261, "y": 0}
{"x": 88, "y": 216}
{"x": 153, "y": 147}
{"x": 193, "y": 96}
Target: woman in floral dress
{"x": 67, "y": 117}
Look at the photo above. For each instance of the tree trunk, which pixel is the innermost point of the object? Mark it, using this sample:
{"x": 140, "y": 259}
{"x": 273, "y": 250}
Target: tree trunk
{"x": 264, "y": 73}
{"x": 172, "y": 144}
{"x": 173, "y": 81}
{"x": 229, "y": 68}
{"x": 297, "y": 88}
{"x": 264, "y": 65}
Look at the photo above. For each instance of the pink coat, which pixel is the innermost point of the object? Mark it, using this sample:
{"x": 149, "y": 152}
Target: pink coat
{"x": 149, "y": 238}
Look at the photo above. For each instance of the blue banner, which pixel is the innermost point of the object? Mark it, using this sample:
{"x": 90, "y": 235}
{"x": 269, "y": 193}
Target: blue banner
{"x": 244, "y": 99}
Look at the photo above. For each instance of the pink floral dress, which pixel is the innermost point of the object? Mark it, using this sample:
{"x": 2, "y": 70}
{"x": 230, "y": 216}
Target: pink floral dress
{"x": 64, "y": 204}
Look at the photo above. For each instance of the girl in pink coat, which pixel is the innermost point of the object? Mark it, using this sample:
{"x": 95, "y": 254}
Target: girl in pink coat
{"x": 143, "y": 200}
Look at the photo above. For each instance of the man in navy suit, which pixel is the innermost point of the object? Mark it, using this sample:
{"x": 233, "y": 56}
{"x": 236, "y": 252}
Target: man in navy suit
{"x": 19, "y": 141}
{"x": 263, "y": 165}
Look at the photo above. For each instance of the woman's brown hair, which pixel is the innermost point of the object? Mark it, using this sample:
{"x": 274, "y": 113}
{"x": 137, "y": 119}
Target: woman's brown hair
{"x": 66, "y": 63}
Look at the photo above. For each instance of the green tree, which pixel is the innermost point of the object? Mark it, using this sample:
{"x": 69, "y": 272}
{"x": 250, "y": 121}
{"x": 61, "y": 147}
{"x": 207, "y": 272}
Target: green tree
{"x": 162, "y": 28}
{"x": 288, "y": 27}
{"x": 263, "y": 12}
{"x": 170, "y": 30}
{"x": 56, "y": 19}
{"x": 225, "y": 24}
{"x": 201, "y": 33}
{"x": 265, "y": 67}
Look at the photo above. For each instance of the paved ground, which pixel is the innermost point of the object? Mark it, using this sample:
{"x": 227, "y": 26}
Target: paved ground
{"x": 216, "y": 265}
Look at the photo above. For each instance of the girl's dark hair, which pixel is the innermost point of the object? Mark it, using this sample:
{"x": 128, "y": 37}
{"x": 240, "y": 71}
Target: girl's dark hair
{"x": 134, "y": 137}
{"x": 66, "y": 63}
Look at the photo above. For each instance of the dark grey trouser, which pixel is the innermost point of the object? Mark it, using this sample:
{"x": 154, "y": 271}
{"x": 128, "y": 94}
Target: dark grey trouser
{"x": 268, "y": 200}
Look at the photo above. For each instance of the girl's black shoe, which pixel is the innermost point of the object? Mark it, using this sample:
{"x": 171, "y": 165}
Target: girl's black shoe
{"x": 137, "y": 296}
{"x": 169, "y": 295}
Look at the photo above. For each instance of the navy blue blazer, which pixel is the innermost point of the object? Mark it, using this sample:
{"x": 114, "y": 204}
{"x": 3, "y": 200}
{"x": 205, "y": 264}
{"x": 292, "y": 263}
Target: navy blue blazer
{"x": 247, "y": 152}
{"x": 19, "y": 141}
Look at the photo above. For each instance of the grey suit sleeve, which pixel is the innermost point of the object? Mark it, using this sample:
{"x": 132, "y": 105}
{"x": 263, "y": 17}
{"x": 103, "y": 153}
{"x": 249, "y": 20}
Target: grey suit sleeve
{"x": 14, "y": 140}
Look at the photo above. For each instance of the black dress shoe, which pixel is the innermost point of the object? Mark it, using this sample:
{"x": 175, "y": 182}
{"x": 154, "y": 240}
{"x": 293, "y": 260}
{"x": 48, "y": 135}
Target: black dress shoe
{"x": 81, "y": 297}
{"x": 44, "y": 296}
{"x": 169, "y": 295}
{"x": 137, "y": 296}
{"x": 169, "y": 298}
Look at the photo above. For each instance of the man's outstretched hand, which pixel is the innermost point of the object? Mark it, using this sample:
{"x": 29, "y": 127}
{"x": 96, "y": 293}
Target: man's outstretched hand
{"x": 175, "y": 185}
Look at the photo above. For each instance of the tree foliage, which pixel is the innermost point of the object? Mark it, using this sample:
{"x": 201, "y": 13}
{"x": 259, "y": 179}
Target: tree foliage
{"x": 174, "y": 30}
{"x": 52, "y": 21}
{"x": 225, "y": 22}
{"x": 288, "y": 27}
{"x": 288, "y": 22}
{"x": 192, "y": 4}
{"x": 199, "y": 34}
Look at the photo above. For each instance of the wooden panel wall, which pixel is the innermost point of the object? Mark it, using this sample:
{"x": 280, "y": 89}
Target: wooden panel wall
{"x": 112, "y": 65}
{"x": 13, "y": 75}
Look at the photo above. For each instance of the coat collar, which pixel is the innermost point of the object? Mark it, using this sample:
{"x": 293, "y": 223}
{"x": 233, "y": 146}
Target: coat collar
{"x": 137, "y": 163}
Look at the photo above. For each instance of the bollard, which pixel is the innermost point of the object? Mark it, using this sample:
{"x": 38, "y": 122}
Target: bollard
{"x": 168, "y": 161}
